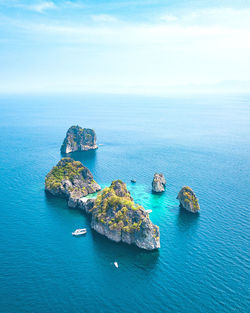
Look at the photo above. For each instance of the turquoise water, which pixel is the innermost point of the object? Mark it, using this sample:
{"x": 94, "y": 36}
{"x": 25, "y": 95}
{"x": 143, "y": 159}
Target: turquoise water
{"x": 203, "y": 262}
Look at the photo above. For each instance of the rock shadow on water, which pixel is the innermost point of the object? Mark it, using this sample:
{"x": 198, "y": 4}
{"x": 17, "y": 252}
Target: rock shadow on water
{"x": 59, "y": 205}
{"x": 129, "y": 255}
{"x": 187, "y": 220}
{"x": 88, "y": 158}
{"x": 55, "y": 202}
{"x": 158, "y": 194}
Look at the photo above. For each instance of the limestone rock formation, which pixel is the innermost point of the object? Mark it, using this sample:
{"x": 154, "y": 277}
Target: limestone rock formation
{"x": 79, "y": 139}
{"x": 86, "y": 204}
{"x": 114, "y": 213}
{"x": 188, "y": 199}
{"x": 116, "y": 216}
{"x": 71, "y": 180}
{"x": 159, "y": 182}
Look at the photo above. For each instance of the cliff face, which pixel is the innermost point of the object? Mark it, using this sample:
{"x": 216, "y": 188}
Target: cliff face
{"x": 116, "y": 216}
{"x": 188, "y": 199}
{"x": 159, "y": 182}
{"x": 71, "y": 180}
{"x": 79, "y": 139}
{"x": 114, "y": 213}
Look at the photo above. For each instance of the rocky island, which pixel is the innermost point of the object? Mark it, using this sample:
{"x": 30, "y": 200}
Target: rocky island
{"x": 114, "y": 212}
{"x": 116, "y": 216}
{"x": 79, "y": 139}
{"x": 159, "y": 182}
{"x": 71, "y": 180}
{"x": 188, "y": 199}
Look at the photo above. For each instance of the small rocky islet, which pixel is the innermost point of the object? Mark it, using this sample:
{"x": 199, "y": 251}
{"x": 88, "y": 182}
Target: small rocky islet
{"x": 188, "y": 199}
{"x": 113, "y": 213}
{"x": 158, "y": 183}
{"x": 79, "y": 139}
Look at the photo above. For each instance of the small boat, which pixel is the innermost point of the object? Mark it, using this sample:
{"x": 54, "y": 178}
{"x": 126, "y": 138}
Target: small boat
{"x": 133, "y": 180}
{"x": 116, "y": 264}
{"x": 148, "y": 211}
{"x": 79, "y": 232}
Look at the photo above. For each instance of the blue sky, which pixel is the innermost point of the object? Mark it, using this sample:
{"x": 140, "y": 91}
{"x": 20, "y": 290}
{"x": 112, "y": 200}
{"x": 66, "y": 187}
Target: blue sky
{"x": 144, "y": 47}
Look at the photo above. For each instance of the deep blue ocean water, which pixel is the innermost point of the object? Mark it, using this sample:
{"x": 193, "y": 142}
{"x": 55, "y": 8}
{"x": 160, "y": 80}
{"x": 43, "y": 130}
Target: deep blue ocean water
{"x": 203, "y": 263}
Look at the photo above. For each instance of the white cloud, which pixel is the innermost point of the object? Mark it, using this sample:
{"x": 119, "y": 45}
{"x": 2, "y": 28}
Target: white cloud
{"x": 104, "y": 18}
{"x": 73, "y": 4}
{"x": 211, "y": 16}
{"x": 168, "y": 18}
{"x": 38, "y": 6}
{"x": 192, "y": 51}
{"x": 42, "y": 6}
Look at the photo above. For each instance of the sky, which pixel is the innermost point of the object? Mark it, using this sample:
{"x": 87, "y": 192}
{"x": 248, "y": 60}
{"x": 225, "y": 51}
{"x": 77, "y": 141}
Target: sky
{"x": 124, "y": 47}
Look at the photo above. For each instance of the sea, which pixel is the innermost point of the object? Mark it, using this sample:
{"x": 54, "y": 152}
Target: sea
{"x": 202, "y": 141}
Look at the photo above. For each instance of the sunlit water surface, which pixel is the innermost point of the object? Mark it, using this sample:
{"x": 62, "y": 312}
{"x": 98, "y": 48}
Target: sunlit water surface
{"x": 203, "y": 262}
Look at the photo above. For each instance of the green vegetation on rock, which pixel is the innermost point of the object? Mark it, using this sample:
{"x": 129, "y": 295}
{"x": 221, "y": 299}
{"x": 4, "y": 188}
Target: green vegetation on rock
{"x": 114, "y": 207}
{"x": 71, "y": 180}
{"x": 66, "y": 169}
{"x": 188, "y": 199}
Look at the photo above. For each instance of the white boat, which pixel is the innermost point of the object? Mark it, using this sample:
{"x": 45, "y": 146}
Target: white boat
{"x": 116, "y": 264}
{"x": 148, "y": 211}
{"x": 79, "y": 232}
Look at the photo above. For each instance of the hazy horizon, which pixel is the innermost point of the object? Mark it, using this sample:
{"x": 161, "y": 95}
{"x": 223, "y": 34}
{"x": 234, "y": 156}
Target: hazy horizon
{"x": 124, "y": 47}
